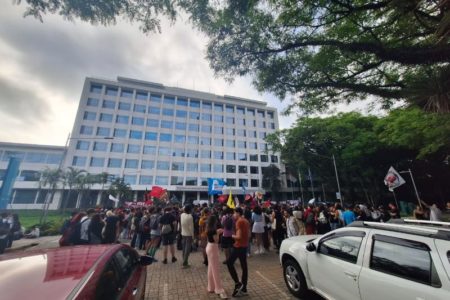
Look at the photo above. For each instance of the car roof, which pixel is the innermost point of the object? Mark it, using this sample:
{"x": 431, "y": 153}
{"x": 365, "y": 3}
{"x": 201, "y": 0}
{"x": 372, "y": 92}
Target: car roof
{"x": 50, "y": 273}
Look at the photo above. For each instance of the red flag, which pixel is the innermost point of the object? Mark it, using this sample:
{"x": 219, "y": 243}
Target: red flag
{"x": 267, "y": 203}
{"x": 157, "y": 191}
{"x": 222, "y": 198}
{"x": 149, "y": 202}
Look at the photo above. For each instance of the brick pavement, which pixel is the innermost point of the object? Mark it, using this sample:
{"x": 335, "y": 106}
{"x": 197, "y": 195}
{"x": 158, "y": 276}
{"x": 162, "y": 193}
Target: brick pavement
{"x": 171, "y": 282}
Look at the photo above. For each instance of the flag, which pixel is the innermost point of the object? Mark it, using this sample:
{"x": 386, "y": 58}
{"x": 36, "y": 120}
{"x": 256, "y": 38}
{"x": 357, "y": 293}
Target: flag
{"x": 393, "y": 179}
{"x": 222, "y": 198}
{"x": 112, "y": 198}
{"x": 267, "y": 204}
{"x": 215, "y": 186}
{"x": 230, "y": 202}
{"x": 157, "y": 192}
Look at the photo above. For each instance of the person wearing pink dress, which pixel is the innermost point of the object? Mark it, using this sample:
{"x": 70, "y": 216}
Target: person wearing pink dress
{"x": 212, "y": 251}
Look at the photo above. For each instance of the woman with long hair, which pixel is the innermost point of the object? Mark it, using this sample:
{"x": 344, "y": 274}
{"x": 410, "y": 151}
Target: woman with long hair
{"x": 258, "y": 229}
{"x": 212, "y": 251}
{"x": 203, "y": 232}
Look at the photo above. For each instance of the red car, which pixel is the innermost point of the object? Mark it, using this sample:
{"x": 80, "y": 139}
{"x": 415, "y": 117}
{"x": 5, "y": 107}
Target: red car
{"x": 80, "y": 272}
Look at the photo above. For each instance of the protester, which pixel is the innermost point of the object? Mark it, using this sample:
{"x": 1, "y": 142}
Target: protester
{"x": 155, "y": 233}
{"x": 212, "y": 251}
{"x": 95, "y": 229}
{"x": 258, "y": 229}
{"x": 111, "y": 230}
{"x": 277, "y": 227}
{"x": 168, "y": 223}
{"x": 393, "y": 211}
{"x": 310, "y": 220}
{"x": 84, "y": 227}
{"x": 136, "y": 239}
{"x": 349, "y": 216}
{"x": 187, "y": 233}
{"x": 323, "y": 223}
{"x": 292, "y": 225}
{"x": 203, "y": 234}
{"x": 435, "y": 212}
{"x": 228, "y": 226}
{"x": 419, "y": 213}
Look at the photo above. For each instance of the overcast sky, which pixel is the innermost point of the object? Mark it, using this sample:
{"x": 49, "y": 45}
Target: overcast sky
{"x": 43, "y": 67}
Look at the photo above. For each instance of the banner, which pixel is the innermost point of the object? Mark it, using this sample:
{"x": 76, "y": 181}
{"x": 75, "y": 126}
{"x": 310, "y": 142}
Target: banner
{"x": 8, "y": 181}
{"x": 393, "y": 179}
{"x": 215, "y": 186}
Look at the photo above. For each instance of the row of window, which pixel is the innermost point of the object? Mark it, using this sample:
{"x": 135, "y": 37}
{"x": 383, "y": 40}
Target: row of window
{"x": 33, "y": 157}
{"x": 140, "y": 121}
{"x": 186, "y": 181}
{"x": 175, "y": 100}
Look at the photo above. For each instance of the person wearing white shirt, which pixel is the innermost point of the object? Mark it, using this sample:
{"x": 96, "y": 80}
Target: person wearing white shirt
{"x": 187, "y": 233}
{"x": 435, "y": 212}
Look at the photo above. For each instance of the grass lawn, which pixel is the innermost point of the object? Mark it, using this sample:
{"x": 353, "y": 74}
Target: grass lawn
{"x": 29, "y": 217}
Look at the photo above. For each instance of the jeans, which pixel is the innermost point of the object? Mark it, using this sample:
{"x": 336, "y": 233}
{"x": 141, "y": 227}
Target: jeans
{"x": 187, "y": 247}
{"x": 240, "y": 253}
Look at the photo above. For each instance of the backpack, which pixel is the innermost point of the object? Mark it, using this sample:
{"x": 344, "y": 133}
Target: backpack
{"x": 154, "y": 222}
{"x": 144, "y": 225}
{"x": 166, "y": 229}
{"x": 228, "y": 223}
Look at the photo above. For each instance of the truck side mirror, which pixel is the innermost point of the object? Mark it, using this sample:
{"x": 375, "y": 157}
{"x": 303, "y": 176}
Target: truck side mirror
{"x": 311, "y": 247}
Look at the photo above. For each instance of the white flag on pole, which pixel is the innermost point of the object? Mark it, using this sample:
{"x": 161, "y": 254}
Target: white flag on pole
{"x": 393, "y": 179}
{"x": 112, "y": 198}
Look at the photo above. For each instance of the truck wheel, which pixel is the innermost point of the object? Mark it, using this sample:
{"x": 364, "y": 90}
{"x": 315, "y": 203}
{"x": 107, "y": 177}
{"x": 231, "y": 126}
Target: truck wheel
{"x": 294, "y": 278}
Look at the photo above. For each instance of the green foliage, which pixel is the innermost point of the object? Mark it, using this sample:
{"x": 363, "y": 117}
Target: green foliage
{"x": 271, "y": 180}
{"x": 120, "y": 190}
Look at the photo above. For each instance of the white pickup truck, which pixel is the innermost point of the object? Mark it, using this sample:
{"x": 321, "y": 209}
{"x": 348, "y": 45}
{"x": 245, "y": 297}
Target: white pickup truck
{"x": 371, "y": 261}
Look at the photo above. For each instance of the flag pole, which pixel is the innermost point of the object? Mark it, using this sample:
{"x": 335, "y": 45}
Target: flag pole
{"x": 337, "y": 180}
{"x": 395, "y": 198}
{"x": 415, "y": 188}
{"x": 312, "y": 184}
{"x": 301, "y": 188}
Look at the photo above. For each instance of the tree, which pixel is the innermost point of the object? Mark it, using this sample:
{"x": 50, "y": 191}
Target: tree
{"x": 49, "y": 178}
{"x": 84, "y": 183}
{"x": 120, "y": 189}
{"x": 271, "y": 180}
{"x": 71, "y": 177}
{"x": 102, "y": 179}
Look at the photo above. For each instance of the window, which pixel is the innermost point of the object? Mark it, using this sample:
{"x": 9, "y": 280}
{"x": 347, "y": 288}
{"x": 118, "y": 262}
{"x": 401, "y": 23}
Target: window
{"x": 122, "y": 119}
{"x": 194, "y": 127}
{"x": 178, "y": 152}
{"x": 403, "y": 258}
{"x": 100, "y": 146}
{"x": 205, "y": 141}
{"x": 240, "y": 121}
{"x": 243, "y": 170}
{"x": 162, "y": 180}
{"x": 251, "y": 112}
{"x": 254, "y": 183}
{"x": 153, "y": 110}
{"x": 126, "y": 94}
{"x": 88, "y": 115}
{"x": 262, "y": 124}
{"x": 262, "y": 135}
{"x": 96, "y": 89}
{"x": 229, "y": 120}
{"x": 92, "y": 102}
{"x": 180, "y": 126}
{"x": 191, "y": 153}
{"x": 79, "y": 161}
{"x": 163, "y": 165}
{"x": 152, "y": 123}
{"x": 231, "y": 182}
{"x": 218, "y": 142}
{"x": 263, "y": 146}
{"x": 218, "y": 154}
{"x": 151, "y": 136}
{"x": 205, "y": 168}
{"x": 111, "y": 91}
{"x": 261, "y": 114}
{"x": 149, "y": 150}
{"x": 253, "y": 157}
{"x": 191, "y": 181}
{"x": 217, "y": 168}
{"x": 136, "y": 134}
{"x": 181, "y": 114}
{"x": 205, "y": 154}
{"x": 176, "y": 180}
{"x": 231, "y": 169}
{"x": 206, "y": 128}
{"x": 147, "y": 180}
{"x": 155, "y": 98}
{"x": 342, "y": 247}
{"x": 25, "y": 196}
{"x": 102, "y": 131}
{"x": 124, "y": 106}
{"x": 194, "y": 115}
{"x": 241, "y": 132}
{"x": 131, "y": 163}
{"x": 83, "y": 145}
{"x": 182, "y": 102}
{"x": 274, "y": 158}
{"x": 115, "y": 163}
{"x": 54, "y": 158}
{"x": 240, "y": 111}
{"x": 272, "y": 125}
{"x": 141, "y": 95}
{"x": 229, "y": 131}
{"x": 109, "y": 104}
{"x": 137, "y": 121}
{"x": 270, "y": 114}
{"x": 87, "y": 130}
{"x": 109, "y": 286}
{"x": 230, "y": 156}
{"x": 179, "y": 138}
{"x": 129, "y": 179}
{"x": 132, "y": 148}
{"x": 139, "y": 108}
{"x": 97, "y": 162}
{"x": 230, "y": 143}
{"x": 242, "y": 144}
{"x": 168, "y": 112}
{"x": 120, "y": 132}
{"x": 192, "y": 140}
{"x": 218, "y": 118}
{"x": 165, "y": 137}
{"x": 230, "y": 109}
{"x": 253, "y": 145}
{"x": 218, "y": 107}
{"x": 34, "y": 157}
{"x": 164, "y": 151}
{"x": 166, "y": 124}
{"x": 207, "y": 105}
{"x": 169, "y": 100}
{"x": 243, "y": 182}
{"x": 116, "y": 147}
{"x": 206, "y": 117}
{"x": 242, "y": 156}
{"x": 195, "y": 103}
{"x": 177, "y": 166}
{"x": 218, "y": 129}
{"x": 147, "y": 164}
{"x": 254, "y": 170}
{"x": 252, "y": 133}
{"x": 191, "y": 167}
{"x": 106, "y": 117}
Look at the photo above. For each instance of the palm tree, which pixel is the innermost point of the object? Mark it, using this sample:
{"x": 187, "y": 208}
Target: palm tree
{"x": 49, "y": 178}
{"x": 102, "y": 179}
{"x": 120, "y": 189}
{"x": 70, "y": 177}
{"x": 271, "y": 180}
{"x": 83, "y": 185}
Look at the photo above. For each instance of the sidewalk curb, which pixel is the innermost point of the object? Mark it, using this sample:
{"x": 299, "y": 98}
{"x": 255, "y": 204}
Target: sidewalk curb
{"x": 21, "y": 247}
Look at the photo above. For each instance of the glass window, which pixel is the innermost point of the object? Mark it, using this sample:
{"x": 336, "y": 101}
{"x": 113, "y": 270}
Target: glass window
{"x": 206, "y": 117}
{"x": 242, "y": 156}
{"x": 218, "y": 142}
{"x": 120, "y": 132}
{"x": 168, "y": 112}
{"x": 218, "y": 118}
{"x": 243, "y": 170}
{"x": 242, "y": 144}
{"x": 205, "y": 141}
{"x": 253, "y": 145}
{"x": 261, "y": 114}
{"x": 218, "y": 154}
{"x": 145, "y": 179}
{"x": 192, "y": 140}
{"x": 153, "y": 110}
{"x": 147, "y": 164}
{"x": 254, "y": 183}
{"x": 79, "y": 161}
{"x": 109, "y": 104}
{"x": 150, "y": 150}
{"x": 97, "y": 162}
{"x": 111, "y": 91}
{"x": 218, "y": 129}
{"x": 54, "y": 158}
{"x": 205, "y": 154}
{"x": 136, "y": 134}
{"x": 162, "y": 180}
{"x": 81, "y": 145}
{"x": 191, "y": 181}
{"x": 176, "y": 180}
{"x": 180, "y": 126}
{"x": 106, "y": 117}
{"x": 96, "y": 89}
{"x": 126, "y": 94}
{"x": 270, "y": 114}
{"x": 262, "y": 124}
{"x": 151, "y": 136}
{"x": 164, "y": 151}
{"x": 194, "y": 127}
{"x": 264, "y": 158}
{"x": 192, "y": 153}
{"x": 206, "y": 105}
{"x": 231, "y": 169}
{"x": 181, "y": 114}
{"x": 177, "y": 166}
{"x": 342, "y": 247}
{"x": 165, "y": 137}
{"x": 229, "y": 109}
{"x": 92, "y": 102}
{"x": 124, "y": 106}
{"x": 166, "y": 124}
{"x": 163, "y": 165}
{"x": 230, "y": 156}
{"x": 253, "y": 157}
{"x": 217, "y": 168}
{"x": 230, "y": 131}
{"x": 30, "y": 175}
{"x": 229, "y": 120}
{"x": 218, "y": 107}
{"x": 129, "y": 179}
{"x": 230, "y": 143}
{"x": 34, "y": 157}
{"x": 251, "y": 112}
{"x": 262, "y": 135}
{"x": 240, "y": 121}
{"x": 88, "y": 115}
{"x": 141, "y": 95}
{"x": 252, "y": 133}
{"x": 139, "y": 108}
{"x": 102, "y": 131}
{"x": 132, "y": 148}
{"x": 272, "y": 125}
{"x": 115, "y": 163}
{"x": 117, "y": 147}
{"x": 100, "y": 146}
{"x": 231, "y": 182}
{"x": 137, "y": 121}
{"x": 122, "y": 119}
{"x": 155, "y": 98}
{"x": 191, "y": 167}
{"x": 131, "y": 163}
{"x": 206, "y": 128}
{"x": 179, "y": 138}
{"x": 87, "y": 130}
{"x": 241, "y": 132}
{"x": 195, "y": 103}
{"x": 178, "y": 152}
{"x": 240, "y": 111}
{"x": 194, "y": 115}
{"x": 263, "y": 146}
{"x": 152, "y": 123}
{"x": 243, "y": 182}
{"x": 274, "y": 158}
{"x": 182, "y": 102}
{"x": 205, "y": 168}
{"x": 254, "y": 170}
{"x": 169, "y": 100}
